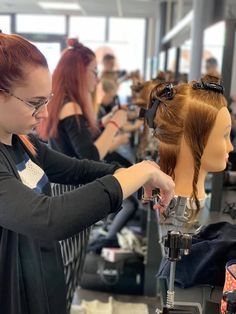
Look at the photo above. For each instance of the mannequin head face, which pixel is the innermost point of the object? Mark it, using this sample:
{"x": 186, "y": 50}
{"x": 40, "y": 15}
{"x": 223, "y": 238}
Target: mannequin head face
{"x": 216, "y": 152}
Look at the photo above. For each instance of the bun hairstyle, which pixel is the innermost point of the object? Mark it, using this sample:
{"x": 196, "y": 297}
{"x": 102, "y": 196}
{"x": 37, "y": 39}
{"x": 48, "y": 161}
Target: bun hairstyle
{"x": 189, "y": 111}
{"x": 73, "y": 43}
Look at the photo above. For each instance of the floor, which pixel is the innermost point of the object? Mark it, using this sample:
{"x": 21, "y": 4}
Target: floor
{"x": 89, "y": 295}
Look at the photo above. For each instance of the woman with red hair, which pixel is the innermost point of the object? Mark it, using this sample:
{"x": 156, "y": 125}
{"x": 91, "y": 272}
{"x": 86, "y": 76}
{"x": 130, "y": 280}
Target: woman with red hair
{"x": 31, "y": 220}
{"x": 71, "y": 126}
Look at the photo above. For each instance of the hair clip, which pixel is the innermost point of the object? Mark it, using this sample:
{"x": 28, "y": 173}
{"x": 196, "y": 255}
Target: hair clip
{"x": 209, "y": 86}
{"x": 151, "y": 113}
{"x": 168, "y": 92}
{"x": 142, "y": 112}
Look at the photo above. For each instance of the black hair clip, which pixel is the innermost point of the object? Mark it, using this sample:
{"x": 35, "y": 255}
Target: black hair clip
{"x": 209, "y": 86}
{"x": 142, "y": 113}
{"x": 168, "y": 92}
{"x": 151, "y": 113}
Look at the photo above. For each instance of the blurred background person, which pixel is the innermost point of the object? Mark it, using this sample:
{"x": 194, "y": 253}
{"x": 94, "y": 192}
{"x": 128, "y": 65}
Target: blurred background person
{"x": 72, "y": 126}
{"x": 211, "y": 66}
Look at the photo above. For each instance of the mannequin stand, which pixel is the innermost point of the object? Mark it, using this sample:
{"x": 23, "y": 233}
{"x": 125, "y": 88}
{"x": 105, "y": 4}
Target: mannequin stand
{"x": 177, "y": 244}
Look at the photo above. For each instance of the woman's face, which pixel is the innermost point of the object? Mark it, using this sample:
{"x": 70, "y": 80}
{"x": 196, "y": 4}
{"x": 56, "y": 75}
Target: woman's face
{"x": 16, "y": 117}
{"x": 92, "y": 76}
{"x": 216, "y": 152}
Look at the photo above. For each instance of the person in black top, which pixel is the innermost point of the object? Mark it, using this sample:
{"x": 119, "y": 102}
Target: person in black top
{"x": 31, "y": 220}
{"x": 72, "y": 126}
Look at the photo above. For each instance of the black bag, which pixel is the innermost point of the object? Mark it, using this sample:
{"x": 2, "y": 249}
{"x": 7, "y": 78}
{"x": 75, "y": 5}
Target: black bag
{"x": 123, "y": 277}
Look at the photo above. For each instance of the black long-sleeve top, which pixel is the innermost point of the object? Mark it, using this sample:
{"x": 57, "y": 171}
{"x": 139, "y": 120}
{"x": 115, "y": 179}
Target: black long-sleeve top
{"x": 74, "y": 138}
{"x": 31, "y": 270}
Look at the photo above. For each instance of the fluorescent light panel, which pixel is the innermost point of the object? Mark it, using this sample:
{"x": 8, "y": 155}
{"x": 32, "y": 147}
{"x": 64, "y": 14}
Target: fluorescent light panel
{"x": 59, "y": 5}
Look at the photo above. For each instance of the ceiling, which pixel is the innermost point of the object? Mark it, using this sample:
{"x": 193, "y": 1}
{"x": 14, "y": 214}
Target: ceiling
{"x": 122, "y": 8}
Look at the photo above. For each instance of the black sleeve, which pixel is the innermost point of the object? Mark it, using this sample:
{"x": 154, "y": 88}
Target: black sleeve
{"x": 25, "y": 211}
{"x": 80, "y": 138}
{"x": 66, "y": 170}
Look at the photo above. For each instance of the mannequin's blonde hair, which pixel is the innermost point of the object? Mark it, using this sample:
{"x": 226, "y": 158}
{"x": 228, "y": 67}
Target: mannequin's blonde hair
{"x": 190, "y": 113}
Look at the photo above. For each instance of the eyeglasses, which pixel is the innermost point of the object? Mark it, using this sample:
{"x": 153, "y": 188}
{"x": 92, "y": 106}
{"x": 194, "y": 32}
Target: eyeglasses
{"x": 36, "y": 105}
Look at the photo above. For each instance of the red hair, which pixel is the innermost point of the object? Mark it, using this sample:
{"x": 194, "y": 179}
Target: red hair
{"x": 69, "y": 83}
{"x": 25, "y": 140}
{"x": 15, "y": 53}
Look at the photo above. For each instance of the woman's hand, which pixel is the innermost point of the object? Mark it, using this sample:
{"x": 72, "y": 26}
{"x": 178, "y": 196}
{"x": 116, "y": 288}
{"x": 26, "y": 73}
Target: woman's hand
{"x": 119, "y": 140}
{"x": 131, "y": 127}
{"x": 120, "y": 117}
{"x": 161, "y": 181}
{"x": 148, "y": 175}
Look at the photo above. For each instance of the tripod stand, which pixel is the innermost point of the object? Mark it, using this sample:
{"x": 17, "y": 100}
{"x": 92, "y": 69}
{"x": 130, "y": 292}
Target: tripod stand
{"x": 177, "y": 244}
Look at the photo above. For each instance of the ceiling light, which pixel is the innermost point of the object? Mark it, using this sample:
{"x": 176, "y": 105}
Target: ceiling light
{"x": 60, "y": 5}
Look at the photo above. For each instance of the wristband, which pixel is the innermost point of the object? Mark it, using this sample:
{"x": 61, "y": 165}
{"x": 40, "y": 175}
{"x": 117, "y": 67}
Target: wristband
{"x": 101, "y": 125}
{"x": 114, "y": 123}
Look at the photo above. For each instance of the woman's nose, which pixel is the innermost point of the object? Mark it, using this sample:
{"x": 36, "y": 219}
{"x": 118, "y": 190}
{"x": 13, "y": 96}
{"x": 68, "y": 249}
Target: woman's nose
{"x": 43, "y": 113}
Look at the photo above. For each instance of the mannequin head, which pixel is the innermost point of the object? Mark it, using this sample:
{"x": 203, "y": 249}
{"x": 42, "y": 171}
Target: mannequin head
{"x": 192, "y": 125}
{"x": 141, "y": 92}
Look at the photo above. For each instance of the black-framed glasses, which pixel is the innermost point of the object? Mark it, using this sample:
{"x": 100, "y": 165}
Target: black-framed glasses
{"x": 36, "y": 104}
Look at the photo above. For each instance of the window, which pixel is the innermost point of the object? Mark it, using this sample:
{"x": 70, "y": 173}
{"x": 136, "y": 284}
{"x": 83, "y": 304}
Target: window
{"x": 185, "y": 57}
{"x": 162, "y": 61}
{"x": 5, "y": 24}
{"x": 127, "y": 38}
{"x": 43, "y": 24}
{"x": 171, "y": 64}
{"x": 51, "y": 51}
{"x": 87, "y": 28}
{"x": 214, "y": 37}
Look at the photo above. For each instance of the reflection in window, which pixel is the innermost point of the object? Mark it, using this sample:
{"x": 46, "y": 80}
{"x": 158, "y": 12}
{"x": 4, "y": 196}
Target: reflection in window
{"x": 5, "y": 24}
{"x": 44, "y": 24}
{"x": 87, "y": 28}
